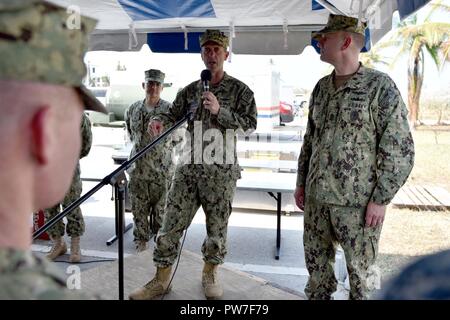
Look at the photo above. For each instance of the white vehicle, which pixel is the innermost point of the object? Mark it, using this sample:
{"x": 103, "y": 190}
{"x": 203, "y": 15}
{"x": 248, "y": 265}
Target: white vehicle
{"x": 100, "y": 93}
{"x": 121, "y": 96}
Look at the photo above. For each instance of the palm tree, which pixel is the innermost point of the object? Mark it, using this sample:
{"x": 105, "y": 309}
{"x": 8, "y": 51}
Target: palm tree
{"x": 373, "y": 57}
{"x": 414, "y": 38}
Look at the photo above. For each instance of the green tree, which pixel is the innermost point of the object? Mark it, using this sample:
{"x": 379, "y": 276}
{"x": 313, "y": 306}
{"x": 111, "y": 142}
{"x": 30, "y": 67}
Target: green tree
{"x": 415, "y": 38}
{"x": 373, "y": 57}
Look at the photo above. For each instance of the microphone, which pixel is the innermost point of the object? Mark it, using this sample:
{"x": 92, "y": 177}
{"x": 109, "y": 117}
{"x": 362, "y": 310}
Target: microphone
{"x": 205, "y": 76}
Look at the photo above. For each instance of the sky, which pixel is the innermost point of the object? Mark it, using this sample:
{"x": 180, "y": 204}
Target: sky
{"x": 297, "y": 71}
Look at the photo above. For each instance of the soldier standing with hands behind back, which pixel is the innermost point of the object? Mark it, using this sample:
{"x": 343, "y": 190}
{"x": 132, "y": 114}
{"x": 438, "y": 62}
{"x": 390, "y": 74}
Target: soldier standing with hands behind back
{"x": 149, "y": 176}
{"x": 357, "y": 152}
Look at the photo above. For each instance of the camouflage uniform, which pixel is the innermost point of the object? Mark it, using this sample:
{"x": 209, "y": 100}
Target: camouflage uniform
{"x": 210, "y": 185}
{"x": 26, "y": 276}
{"x": 38, "y": 46}
{"x": 357, "y": 149}
{"x": 75, "y": 222}
{"x": 149, "y": 176}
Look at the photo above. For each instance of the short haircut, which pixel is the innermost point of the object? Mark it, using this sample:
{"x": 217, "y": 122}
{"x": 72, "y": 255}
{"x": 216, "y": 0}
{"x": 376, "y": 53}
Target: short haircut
{"x": 358, "y": 40}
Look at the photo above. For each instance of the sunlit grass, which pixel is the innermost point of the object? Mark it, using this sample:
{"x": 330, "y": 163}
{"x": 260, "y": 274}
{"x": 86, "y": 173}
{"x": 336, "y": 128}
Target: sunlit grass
{"x": 410, "y": 233}
{"x": 432, "y": 160}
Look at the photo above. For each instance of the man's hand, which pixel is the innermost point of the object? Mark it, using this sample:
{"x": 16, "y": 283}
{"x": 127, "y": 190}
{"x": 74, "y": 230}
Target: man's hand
{"x": 299, "y": 196}
{"x": 375, "y": 214}
{"x": 155, "y": 127}
{"x": 210, "y": 102}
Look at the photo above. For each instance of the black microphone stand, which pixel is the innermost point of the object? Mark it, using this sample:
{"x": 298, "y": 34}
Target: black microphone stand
{"x": 118, "y": 180}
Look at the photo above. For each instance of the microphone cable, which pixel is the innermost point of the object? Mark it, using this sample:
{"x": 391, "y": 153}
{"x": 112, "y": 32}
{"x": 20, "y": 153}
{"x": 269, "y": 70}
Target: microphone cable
{"x": 84, "y": 261}
{"x": 205, "y": 78}
{"x": 176, "y": 265}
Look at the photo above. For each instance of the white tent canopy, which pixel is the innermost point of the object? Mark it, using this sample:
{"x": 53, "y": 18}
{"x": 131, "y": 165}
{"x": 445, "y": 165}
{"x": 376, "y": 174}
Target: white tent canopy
{"x": 256, "y": 26}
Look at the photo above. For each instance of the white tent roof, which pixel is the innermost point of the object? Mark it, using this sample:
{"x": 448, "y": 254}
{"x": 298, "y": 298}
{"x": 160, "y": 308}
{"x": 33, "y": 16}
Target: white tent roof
{"x": 259, "y": 26}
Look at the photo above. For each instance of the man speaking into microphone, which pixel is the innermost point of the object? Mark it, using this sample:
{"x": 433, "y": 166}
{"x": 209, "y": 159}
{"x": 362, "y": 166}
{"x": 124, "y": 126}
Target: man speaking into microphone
{"x": 220, "y": 105}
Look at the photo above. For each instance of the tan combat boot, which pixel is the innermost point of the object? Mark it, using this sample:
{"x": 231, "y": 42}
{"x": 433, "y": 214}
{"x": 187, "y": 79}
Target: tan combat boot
{"x": 157, "y": 286}
{"x": 58, "y": 248}
{"x": 75, "y": 252}
{"x": 210, "y": 281}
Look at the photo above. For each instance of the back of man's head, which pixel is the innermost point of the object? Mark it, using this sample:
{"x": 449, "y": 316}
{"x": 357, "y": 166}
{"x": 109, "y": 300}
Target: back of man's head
{"x": 42, "y": 97}
{"x": 358, "y": 41}
{"x": 39, "y": 139}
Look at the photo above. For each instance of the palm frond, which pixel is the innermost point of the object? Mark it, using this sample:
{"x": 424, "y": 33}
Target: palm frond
{"x": 435, "y": 32}
{"x": 411, "y": 37}
{"x": 372, "y": 58}
{"x": 437, "y": 6}
{"x": 434, "y": 53}
{"x": 389, "y": 44}
{"x": 445, "y": 50}
{"x": 416, "y": 47}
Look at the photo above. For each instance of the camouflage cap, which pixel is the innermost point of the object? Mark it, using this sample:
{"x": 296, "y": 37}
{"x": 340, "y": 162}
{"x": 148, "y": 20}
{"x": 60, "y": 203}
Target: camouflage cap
{"x": 39, "y": 43}
{"x": 341, "y": 23}
{"x": 216, "y": 36}
{"x": 154, "y": 75}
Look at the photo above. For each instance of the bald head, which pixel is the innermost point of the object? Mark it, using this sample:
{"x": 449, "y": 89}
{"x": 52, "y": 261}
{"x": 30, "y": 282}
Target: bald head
{"x": 19, "y": 99}
{"x": 40, "y": 135}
